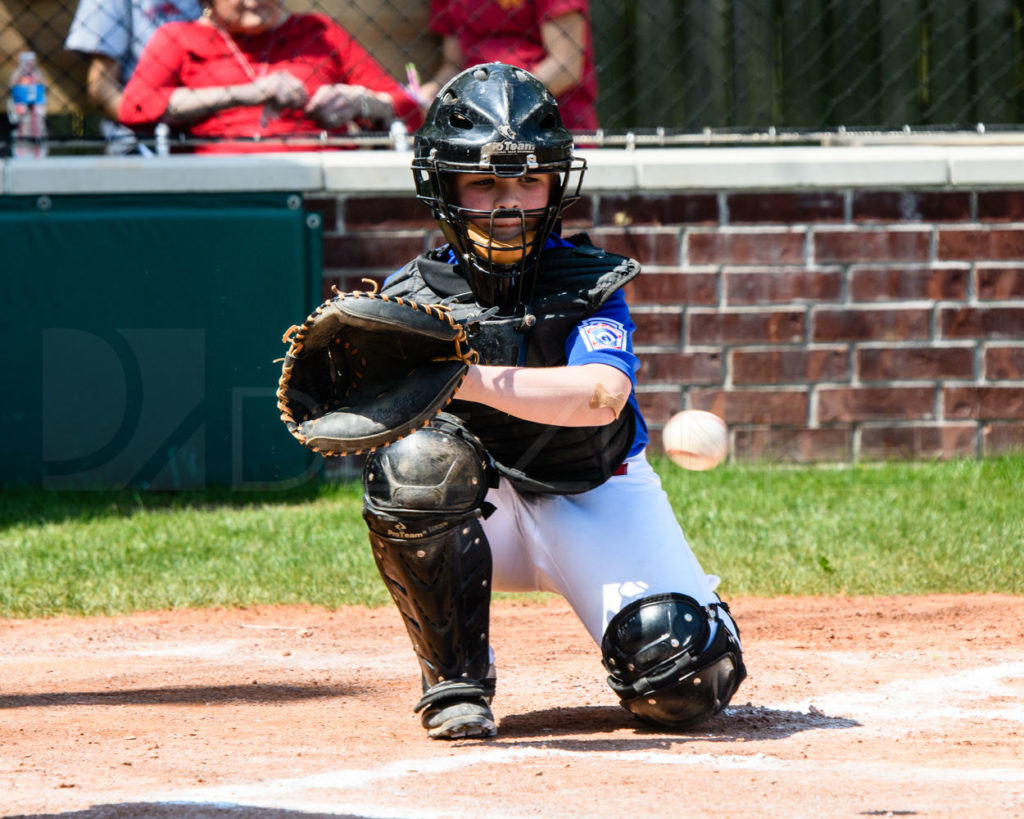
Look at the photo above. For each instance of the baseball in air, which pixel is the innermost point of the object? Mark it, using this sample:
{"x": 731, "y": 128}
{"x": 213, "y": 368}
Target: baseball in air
{"x": 695, "y": 439}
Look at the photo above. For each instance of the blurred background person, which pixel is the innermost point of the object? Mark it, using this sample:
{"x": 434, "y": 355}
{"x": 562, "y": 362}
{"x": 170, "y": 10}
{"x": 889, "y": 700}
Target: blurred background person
{"x": 549, "y": 38}
{"x": 250, "y": 76}
{"x": 113, "y": 33}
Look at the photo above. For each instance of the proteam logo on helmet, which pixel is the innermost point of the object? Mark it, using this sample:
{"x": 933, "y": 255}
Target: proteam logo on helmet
{"x": 499, "y": 119}
{"x": 508, "y": 147}
{"x": 491, "y": 148}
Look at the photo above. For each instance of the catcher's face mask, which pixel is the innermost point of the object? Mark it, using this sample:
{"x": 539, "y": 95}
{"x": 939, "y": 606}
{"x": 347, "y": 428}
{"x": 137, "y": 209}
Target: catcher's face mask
{"x": 496, "y": 122}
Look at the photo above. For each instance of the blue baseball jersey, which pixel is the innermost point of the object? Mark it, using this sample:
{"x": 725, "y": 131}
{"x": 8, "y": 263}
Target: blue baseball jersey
{"x": 606, "y": 337}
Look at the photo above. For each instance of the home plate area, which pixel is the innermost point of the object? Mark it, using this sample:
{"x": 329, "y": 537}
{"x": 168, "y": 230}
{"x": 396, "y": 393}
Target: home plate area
{"x": 855, "y": 706}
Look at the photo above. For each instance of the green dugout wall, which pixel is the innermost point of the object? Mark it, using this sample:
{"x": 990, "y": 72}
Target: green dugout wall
{"x": 142, "y": 332}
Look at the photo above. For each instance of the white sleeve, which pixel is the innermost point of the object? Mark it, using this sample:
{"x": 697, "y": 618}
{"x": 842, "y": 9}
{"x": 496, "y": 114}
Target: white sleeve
{"x": 101, "y": 27}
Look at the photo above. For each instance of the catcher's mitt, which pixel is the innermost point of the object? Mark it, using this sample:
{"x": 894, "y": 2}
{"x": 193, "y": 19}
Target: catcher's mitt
{"x": 365, "y": 370}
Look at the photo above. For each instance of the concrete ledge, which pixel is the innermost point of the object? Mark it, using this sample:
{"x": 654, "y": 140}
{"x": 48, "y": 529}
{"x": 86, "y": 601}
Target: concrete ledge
{"x": 791, "y": 167}
{"x": 994, "y": 165}
{"x": 368, "y": 171}
{"x": 613, "y": 170}
{"x": 173, "y": 174}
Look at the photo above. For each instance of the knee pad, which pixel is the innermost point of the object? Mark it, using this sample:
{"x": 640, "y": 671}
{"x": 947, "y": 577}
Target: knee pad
{"x": 440, "y": 472}
{"x": 662, "y": 666}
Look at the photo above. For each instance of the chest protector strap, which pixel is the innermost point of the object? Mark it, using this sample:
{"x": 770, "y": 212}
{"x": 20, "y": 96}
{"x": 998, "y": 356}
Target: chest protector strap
{"x": 572, "y": 283}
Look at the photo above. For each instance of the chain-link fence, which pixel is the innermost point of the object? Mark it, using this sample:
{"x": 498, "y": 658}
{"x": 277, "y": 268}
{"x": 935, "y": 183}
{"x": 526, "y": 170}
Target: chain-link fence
{"x": 670, "y": 66}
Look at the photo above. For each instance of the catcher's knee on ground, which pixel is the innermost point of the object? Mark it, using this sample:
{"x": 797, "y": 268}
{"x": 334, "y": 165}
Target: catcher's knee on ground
{"x": 423, "y": 497}
{"x": 662, "y": 666}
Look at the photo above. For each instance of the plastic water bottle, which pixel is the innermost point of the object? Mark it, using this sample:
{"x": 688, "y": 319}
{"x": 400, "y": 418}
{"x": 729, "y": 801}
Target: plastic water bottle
{"x": 399, "y": 135}
{"x": 162, "y": 133}
{"x": 26, "y": 108}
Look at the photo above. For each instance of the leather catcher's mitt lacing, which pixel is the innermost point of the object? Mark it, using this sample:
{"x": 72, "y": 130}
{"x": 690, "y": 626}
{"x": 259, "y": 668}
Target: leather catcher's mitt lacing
{"x": 358, "y": 361}
{"x": 441, "y": 311}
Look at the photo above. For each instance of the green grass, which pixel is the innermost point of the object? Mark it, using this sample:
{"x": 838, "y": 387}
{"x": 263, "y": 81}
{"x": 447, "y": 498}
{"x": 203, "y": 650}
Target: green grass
{"x": 897, "y": 528}
{"x": 113, "y": 552}
{"x": 766, "y": 530}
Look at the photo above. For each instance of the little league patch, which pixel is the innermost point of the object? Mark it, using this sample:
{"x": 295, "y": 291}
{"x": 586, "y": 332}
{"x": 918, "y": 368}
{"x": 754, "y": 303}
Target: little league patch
{"x": 603, "y": 334}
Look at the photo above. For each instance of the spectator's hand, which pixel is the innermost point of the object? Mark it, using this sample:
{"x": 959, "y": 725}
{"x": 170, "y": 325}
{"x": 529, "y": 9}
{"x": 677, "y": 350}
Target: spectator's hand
{"x": 335, "y": 105}
{"x": 282, "y": 90}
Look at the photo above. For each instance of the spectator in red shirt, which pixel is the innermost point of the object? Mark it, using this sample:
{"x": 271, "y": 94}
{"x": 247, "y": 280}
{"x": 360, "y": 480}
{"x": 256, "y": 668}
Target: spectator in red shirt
{"x": 549, "y": 38}
{"x": 249, "y": 76}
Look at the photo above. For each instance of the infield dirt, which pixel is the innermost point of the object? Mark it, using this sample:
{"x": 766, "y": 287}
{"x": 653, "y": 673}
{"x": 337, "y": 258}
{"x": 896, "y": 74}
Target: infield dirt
{"x": 903, "y": 706}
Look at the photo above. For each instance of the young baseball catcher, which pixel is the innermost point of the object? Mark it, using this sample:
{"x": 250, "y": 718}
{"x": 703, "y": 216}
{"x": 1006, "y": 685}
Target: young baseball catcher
{"x": 533, "y": 478}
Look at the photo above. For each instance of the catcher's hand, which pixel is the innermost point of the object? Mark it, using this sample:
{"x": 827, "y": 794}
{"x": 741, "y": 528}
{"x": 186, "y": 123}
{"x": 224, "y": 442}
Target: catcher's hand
{"x": 366, "y": 369}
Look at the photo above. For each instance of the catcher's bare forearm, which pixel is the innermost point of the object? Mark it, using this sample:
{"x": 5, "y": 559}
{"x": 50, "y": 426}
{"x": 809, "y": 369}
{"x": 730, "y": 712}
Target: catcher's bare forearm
{"x": 575, "y": 396}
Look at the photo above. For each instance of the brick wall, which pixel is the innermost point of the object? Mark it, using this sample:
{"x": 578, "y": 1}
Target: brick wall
{"x": 823, "y": 325}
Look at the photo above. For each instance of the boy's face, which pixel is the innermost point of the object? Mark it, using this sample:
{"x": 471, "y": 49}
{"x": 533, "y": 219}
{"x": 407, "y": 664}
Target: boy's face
{"x": 486, "y": 192}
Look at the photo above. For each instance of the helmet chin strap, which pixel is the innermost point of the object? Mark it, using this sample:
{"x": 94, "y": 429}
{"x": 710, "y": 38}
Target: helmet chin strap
{"x": 496, "y": 251}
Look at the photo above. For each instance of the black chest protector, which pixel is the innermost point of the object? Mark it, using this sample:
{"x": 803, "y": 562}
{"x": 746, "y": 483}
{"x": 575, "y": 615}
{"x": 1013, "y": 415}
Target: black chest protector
{"x": 572, "y": 283}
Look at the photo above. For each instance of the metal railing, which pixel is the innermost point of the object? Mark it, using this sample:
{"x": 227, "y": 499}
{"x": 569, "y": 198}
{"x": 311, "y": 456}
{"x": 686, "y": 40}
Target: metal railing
{"x": 682, "y": 71}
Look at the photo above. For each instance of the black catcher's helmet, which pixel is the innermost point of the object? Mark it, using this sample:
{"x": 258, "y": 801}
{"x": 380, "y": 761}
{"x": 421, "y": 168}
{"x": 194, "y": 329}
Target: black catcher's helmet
{"x": 499, "y": 119}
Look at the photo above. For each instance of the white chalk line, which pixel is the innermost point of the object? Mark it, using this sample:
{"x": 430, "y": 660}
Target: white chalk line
{"x": 897, "y": 705}
{"x": 293, "y": 793}
{"x": 932, "y": 699}
{"x": 238, "y": 653}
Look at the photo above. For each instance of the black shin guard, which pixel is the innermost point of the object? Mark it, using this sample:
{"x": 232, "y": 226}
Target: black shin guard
{"x": 423, "y": 501}
{"x": 442, "y": 586}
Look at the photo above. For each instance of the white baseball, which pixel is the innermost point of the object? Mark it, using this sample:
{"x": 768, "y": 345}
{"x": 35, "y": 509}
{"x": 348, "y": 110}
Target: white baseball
{"x": 695, "y": 439}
